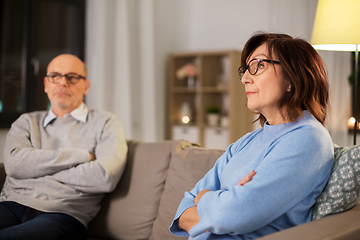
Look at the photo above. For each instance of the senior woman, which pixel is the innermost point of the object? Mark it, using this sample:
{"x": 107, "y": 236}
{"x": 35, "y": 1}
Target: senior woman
{"x": 269, "y": 179}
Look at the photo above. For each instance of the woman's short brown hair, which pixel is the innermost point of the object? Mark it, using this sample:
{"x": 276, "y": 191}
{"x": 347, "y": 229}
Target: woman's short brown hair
{"x": 302, "y": 67}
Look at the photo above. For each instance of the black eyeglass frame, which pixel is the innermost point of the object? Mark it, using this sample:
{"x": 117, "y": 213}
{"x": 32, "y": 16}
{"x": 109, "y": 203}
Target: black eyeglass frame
{"x": 72, "y": 78}
{"x": 242, "y": 69}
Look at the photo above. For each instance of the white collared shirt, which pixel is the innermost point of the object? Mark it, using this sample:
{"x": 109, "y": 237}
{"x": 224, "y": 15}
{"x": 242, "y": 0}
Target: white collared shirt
{"x": 80, "y": 114}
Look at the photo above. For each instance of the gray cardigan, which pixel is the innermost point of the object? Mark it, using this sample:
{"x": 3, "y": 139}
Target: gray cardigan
{"x": 48, "y": 167}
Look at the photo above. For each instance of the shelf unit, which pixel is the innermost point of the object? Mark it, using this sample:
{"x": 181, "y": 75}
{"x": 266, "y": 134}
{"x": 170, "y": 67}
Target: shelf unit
{"x": 216, "y": 83}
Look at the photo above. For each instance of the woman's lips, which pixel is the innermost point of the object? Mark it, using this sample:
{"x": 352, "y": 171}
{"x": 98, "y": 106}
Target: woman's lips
{"x": 249, "y": 93}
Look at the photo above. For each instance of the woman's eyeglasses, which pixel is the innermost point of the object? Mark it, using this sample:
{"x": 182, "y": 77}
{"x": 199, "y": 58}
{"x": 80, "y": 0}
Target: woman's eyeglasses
{"x": 254, "y": 66}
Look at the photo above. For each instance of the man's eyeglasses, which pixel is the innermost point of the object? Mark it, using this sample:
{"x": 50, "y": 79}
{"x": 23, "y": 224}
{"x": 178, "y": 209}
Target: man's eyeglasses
{"x": 254, "y": 66}
{"x": 71, "y": 78}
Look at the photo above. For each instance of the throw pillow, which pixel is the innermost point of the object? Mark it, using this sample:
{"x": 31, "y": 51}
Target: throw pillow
{"x": 188, "y": 165}
{"x": 342, "y": 191}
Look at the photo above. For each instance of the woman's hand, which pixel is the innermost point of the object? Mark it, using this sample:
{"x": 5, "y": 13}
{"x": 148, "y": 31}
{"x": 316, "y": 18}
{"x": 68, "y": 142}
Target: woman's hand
{"x": 188, "y": 219}
{"x": 242, "y": 182}
{"x": 247, "y": 178}
{"x": 200, "y": 194}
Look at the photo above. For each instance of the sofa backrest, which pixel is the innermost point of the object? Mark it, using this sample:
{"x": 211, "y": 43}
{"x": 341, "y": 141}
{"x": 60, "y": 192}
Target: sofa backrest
{"x": 188, "y": 165}
{"x": 154, "y": 181}
{"x": 129, "y": 211}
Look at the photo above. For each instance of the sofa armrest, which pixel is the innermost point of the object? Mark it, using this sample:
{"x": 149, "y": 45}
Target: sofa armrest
{"x": 2, "y": 175}
{"x": 341, "y": 226}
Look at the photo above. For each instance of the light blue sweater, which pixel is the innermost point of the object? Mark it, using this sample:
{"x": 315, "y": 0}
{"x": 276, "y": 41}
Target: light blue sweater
{"x": 292, "y": 163}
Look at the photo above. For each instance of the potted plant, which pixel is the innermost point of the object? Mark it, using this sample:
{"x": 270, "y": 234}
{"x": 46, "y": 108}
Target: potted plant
{"x": 213, "y": 115}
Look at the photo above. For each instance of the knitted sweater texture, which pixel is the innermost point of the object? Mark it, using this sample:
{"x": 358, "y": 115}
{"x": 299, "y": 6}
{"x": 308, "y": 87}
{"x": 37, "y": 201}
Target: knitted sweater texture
{"x": 292, "y": 163}
{"x": 48, "y": 168}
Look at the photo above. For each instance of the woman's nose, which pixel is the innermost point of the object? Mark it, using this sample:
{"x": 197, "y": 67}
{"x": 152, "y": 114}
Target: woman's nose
{"x": 246, "y": 78}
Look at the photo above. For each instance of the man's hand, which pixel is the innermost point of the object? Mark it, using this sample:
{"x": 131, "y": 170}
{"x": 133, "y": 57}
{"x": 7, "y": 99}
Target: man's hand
{"x": 247, "y": 178}
{"x": 188, "y": 219}
{"x": 92, "y": 157}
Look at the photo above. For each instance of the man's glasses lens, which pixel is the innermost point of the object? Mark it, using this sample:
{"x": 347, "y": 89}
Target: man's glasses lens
{"x": 72, "y": 78}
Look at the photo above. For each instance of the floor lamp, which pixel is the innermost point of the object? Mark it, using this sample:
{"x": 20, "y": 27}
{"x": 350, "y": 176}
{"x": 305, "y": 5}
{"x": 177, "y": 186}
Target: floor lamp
{"x": 337, "y": 28}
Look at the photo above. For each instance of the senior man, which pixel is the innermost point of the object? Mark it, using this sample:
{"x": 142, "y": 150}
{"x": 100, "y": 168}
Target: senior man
{"x": 60, "y": 163}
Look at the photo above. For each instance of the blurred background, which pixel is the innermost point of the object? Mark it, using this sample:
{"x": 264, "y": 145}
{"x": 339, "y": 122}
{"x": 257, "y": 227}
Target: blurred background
{"x": 127, "y": 44}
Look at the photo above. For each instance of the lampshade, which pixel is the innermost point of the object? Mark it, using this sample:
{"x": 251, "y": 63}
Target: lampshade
{"x": 337, "y": 25}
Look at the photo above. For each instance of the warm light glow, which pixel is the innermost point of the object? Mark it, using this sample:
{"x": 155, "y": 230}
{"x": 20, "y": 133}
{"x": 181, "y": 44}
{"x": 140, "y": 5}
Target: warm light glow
{"x": 336, "y": 25}
{"x": 185, "y": 113}
{"x": 185, "y": 119}
{"x": 351, "y": 122}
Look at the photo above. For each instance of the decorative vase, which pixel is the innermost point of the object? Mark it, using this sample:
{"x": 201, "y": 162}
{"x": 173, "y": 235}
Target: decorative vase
{"x": 185, "y": 113}
{"x": 213, "y": 119}
{"x": 191, "y": 81}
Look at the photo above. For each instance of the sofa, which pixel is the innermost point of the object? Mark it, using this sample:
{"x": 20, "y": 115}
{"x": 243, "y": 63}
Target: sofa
{"x": 154, "y": 181}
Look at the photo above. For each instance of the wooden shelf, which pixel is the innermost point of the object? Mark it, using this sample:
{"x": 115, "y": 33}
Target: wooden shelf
{"x": 184, "y": 90}
{"x": 214, "y": 90}
{"x": 216, "y": 83}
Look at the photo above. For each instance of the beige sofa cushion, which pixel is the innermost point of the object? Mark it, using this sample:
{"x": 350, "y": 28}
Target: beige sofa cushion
{"x": 187, "y": 166}
{"x": 129, "y": 212}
